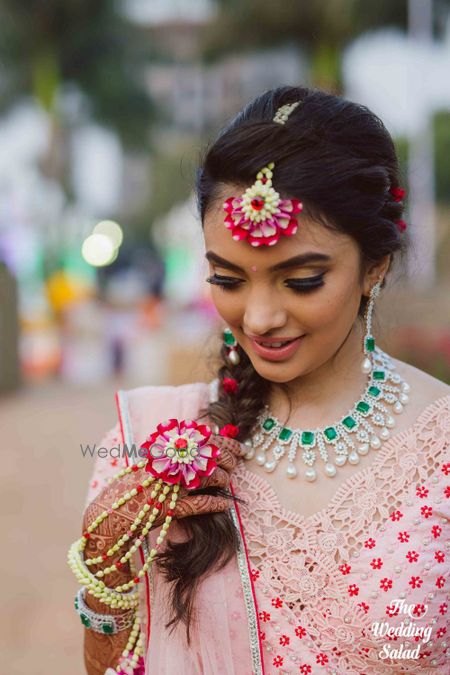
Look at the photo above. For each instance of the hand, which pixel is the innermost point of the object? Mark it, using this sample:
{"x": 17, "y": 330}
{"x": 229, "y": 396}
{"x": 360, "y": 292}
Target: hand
{"x": 189, "y": 503}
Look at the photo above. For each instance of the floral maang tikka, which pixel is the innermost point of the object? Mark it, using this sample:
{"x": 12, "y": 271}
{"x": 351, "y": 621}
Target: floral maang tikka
{"x": 259, "y": 214}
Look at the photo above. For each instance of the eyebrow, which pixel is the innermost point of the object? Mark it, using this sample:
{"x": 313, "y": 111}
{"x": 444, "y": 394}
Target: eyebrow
{"x": 296, "y": 261}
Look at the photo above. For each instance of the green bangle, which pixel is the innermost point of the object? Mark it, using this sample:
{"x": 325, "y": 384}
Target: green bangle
{"x": 108, "y": 624}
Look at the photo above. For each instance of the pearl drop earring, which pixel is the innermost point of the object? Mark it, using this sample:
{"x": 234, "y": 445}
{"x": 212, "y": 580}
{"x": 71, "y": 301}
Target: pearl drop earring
{"x": 232, "y": 353}
{"x": 369, "y": 340}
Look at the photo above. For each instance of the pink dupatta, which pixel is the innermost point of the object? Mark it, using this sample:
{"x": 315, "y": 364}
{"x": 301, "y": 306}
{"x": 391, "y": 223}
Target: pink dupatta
{"x": 225, "y": 637}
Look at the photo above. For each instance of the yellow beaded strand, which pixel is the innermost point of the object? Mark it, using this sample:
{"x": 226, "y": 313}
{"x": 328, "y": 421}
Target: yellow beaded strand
{"x": 123, "y": 596}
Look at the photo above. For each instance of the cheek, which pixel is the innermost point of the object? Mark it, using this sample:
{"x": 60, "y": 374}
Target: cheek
{"x": 228, "y": 305}
{"x": 329, "y": 310}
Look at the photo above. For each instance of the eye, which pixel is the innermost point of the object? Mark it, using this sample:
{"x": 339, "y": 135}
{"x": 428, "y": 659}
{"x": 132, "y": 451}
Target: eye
{"x": 227, "y": 283}
{"x": 306, "y": 285}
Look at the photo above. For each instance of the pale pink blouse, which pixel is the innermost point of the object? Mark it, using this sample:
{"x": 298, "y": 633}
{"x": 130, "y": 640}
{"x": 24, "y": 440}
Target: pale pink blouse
{"x": 376, "y": 559}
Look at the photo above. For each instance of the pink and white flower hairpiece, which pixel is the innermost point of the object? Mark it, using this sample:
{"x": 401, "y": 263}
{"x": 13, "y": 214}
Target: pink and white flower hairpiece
{"x": 259, "y": 215}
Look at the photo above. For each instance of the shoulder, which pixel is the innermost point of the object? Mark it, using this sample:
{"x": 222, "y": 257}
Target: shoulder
{"x": 425, "y": 389}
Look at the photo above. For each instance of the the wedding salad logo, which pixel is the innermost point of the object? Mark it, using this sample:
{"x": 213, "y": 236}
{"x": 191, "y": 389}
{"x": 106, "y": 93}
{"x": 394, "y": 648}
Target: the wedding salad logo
{"x": 406, "y": 629}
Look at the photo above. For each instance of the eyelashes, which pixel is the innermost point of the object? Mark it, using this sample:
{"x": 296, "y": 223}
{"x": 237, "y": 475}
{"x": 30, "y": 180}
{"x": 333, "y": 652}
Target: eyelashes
{"x": 297, "y": 285}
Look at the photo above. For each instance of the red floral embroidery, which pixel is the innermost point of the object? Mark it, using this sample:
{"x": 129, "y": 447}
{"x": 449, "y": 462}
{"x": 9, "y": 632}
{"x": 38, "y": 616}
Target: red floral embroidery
{"x": 447, "y": 491}
{"x": 284, "y": 640}
{"x": 392, "y": 610}
{"x": 443, "y": 608}
{"x": 264, "y": 616}
{"x": 364, "y": 606}
{"x": 403, "y": 537}
{"x": 277, "y": 602}
{"x": 300, "y": 632}
{"x": 305, "y": 669}
{"x": 385, "y": 584}
{"x": 114, "y": 462}
{"x": 376, "y": 563}
{"x": 440, "y": 556}
{"x": 321, "y": 659}
{"x": 446, "y": 468}
{"x": 262, "y": 635}
{"x": 426, "y": 511}
{"x": 412, "y": 556}
{"x": 422, "y": 491}
{"x": 441, "y": 632}
{"x": 345, "y": 568}
{"x": 353, "y": 589}
{"x": 440, "y": 581}
{"x": 419, "y": 610}
{"x": 415, "y": 582}
{"x": 255, "y": 574}
{"x": 396, "y": 515}
{"x": 369, "y": 543}
{"x": 278, "y": 661}
{"x": 436, "y": 531}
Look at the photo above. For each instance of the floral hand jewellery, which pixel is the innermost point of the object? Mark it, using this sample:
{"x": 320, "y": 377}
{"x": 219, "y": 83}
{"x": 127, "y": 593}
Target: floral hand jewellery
{"x": 178, "y": 454}
{"x": 260, "y": 216}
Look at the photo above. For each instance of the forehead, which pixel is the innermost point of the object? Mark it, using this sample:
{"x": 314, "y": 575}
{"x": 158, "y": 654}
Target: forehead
{"x": 311, "y": 235}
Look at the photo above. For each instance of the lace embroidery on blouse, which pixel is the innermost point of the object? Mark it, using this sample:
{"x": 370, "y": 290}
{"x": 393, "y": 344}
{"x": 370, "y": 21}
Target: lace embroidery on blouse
{"x": 337, "y": 532}
{"x": 305, "y": 565}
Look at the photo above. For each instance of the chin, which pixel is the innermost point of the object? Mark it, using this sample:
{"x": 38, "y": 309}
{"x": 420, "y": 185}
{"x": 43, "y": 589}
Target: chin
{"x": 278, "y": 371}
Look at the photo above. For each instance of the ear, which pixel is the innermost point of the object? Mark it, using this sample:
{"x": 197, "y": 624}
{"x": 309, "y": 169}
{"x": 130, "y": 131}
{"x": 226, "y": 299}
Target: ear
{"x": 376, "y": 272}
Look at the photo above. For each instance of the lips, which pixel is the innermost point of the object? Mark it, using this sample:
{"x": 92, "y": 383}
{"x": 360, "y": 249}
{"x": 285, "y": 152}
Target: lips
{"x": 269, "y": 350}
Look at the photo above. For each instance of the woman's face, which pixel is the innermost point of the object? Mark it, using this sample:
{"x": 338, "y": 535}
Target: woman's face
{"x": 259, "y": 295}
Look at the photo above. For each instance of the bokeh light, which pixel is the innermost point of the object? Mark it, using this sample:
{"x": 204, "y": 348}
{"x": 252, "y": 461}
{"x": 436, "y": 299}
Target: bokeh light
{"x": 98, "y": 250}
{"x": 110, "y": 229}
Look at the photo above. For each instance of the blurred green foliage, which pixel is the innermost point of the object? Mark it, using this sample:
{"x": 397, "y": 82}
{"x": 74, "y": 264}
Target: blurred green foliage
{"x": 441, "y": 128}
{"x": 48, "y": 45}
{"x": 320, "y": 28}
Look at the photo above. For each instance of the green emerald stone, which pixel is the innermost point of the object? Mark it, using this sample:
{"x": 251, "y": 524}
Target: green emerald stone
{"x": 268, "y": 424}
{"x": 107, "y": 628}
{"x": 307, "y": 437}
{"x": 349, "y": 422}
{"x": 285, "y": 434}
{"x": 85, "y": 620}
{"x": 330, "y": 433}
{"x": 379, "y": 374}
{"x": 374, "y": 391}
{"x": 363, "y": 407}
{"x": 228, "y": 337}
{"x": 370, "y": 344}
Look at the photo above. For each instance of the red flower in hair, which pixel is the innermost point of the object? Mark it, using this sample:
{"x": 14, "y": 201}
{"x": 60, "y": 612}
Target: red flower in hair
{"x": 398, "y": 193}
{"x": 229, "y": 430}
{"x": 401, "y": 225}
{"x": 230, "y": 385}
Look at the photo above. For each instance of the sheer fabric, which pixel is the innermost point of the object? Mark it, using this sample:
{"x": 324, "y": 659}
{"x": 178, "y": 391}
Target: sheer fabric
{"x": 317, "y": 583}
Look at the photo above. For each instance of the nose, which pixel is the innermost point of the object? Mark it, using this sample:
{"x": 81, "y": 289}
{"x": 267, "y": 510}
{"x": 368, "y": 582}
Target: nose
{"x": 263, "y": 313}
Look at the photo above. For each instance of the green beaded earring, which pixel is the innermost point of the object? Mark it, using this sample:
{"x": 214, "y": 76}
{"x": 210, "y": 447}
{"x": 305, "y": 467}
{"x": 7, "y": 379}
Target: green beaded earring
{"x": 369, "y": 340}
{"x": 232, "y": 354}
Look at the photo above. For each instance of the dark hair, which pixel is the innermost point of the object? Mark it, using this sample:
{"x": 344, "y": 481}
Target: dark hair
{"x": 337, "y": 157}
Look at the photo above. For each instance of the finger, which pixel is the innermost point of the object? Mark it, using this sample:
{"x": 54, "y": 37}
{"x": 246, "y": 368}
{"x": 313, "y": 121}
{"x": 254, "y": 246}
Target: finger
{"x": 233, "y": 446}
{"x": 226, "y": 460}
{"x": 218, "y": 478}
{"x": 201, "y": 504}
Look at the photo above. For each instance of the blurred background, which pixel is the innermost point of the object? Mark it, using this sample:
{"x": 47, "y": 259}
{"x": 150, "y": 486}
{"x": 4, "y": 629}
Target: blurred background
{"x": 104, "y": 110}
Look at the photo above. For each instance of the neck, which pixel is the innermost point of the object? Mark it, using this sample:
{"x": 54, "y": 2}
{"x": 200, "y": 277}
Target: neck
{"x": 326, "y": 392}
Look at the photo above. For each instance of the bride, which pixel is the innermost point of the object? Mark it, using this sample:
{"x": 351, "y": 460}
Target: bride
{"x": 300, "y": 499}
